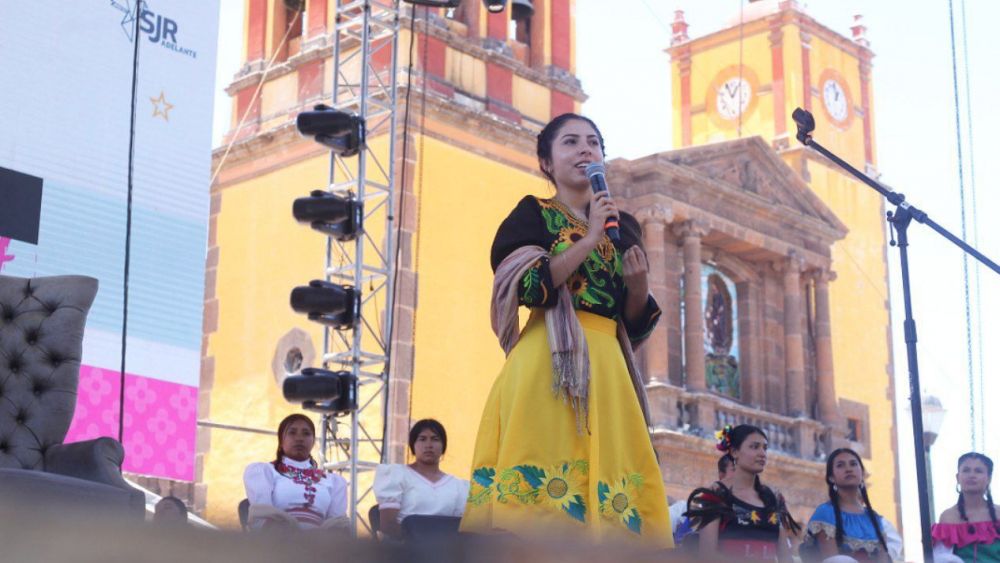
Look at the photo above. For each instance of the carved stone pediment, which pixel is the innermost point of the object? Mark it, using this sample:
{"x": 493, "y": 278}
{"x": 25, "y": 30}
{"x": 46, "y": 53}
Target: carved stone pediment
{"x": 750, "y": 165}
{"x": 751, "y": 203}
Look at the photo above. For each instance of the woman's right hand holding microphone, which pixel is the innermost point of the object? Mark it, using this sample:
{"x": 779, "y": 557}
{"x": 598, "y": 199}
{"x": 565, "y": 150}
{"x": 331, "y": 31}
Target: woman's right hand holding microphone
{"x": 601, "y": 207}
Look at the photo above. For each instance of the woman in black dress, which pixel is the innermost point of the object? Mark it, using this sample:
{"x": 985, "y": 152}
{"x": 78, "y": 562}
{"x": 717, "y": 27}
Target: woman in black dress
{"x": 740, "y": 517}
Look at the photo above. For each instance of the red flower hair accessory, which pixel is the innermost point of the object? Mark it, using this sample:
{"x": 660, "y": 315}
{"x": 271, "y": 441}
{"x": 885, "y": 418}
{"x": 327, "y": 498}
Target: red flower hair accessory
{"x": 723, "y": 438}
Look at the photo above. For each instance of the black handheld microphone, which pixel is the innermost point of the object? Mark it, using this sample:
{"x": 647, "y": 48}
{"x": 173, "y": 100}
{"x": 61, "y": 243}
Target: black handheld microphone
{"x": 595, "y": 171}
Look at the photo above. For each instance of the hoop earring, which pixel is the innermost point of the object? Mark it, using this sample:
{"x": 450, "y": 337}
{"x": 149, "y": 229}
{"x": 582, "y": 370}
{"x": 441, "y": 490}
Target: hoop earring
{"x": 958, "y": 489}
{"x": 862, "y": 486}
{"x": 835, "y": 488}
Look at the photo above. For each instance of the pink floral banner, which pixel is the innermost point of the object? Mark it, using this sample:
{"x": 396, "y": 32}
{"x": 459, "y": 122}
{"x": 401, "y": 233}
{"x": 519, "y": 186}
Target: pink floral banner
{"x": 159, "y": 424}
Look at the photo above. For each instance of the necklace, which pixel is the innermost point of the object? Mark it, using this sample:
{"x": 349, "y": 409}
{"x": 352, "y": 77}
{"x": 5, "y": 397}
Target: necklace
{"x": 308, "y": 478}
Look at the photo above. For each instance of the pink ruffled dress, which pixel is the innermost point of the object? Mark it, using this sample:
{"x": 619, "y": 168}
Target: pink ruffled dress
{"x": 969, "y": 541}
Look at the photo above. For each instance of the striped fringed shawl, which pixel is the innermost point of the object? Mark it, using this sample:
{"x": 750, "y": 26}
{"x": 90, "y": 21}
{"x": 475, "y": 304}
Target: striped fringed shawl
{"x": 570, "y": 359}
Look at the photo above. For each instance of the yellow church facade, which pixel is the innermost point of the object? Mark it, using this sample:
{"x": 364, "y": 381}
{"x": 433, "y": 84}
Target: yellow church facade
{"x": 791, "y": 60}
{"x": 465, "y": 170}
{"x": 483, "y": 87}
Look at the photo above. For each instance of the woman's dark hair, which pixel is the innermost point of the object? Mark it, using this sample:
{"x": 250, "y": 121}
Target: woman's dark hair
{"x": 284, "y": 426}
{"x": 736, "y": 436}
{"x": 170, "y": 499}
{"x": 731, "y": 439}
{"x": 989, "y": 495}
{"x": 548, "y": 136}
{"x": 725, "y": 462}
{"x": 432, "y": 425}
{"x": 739, "y": 434}
{"x": 835, "y": 499}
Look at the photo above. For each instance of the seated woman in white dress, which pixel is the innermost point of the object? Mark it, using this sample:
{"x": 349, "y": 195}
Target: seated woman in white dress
{"x": 420, "y": 488}
{"x": 291, "y": 491}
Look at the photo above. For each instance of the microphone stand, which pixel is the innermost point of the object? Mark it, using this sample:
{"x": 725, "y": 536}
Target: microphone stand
{"x": 899, "y": 220}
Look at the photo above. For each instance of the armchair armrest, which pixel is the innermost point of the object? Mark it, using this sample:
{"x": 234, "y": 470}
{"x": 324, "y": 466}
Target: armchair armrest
{"x": 98, "y": 460}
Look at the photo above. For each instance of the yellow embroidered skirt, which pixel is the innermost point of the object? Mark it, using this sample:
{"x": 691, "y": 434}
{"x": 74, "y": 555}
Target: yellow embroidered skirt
{"x": 534, "y": 473}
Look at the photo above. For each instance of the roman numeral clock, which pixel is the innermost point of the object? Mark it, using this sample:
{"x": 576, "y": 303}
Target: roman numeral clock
{"x": 732, "y": 96}
{"x": 836, "y": 96}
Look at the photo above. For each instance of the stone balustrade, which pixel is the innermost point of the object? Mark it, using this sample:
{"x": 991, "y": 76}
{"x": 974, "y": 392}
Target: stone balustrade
{"x": 673, "y": 409}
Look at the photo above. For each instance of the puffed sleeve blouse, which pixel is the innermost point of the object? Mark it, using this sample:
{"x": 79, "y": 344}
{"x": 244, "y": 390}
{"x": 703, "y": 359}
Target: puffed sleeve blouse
{"x": 401, "y": 487}
{"x": 597, "y": 286}
{"x": 308, "y": 494}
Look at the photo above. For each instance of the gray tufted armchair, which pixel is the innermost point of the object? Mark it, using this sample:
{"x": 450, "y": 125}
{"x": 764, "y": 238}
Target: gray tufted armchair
{"x": 41, "y": 340}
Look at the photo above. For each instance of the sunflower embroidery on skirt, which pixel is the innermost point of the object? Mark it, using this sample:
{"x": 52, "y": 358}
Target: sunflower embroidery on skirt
{"x": 559, "y": 487}
{"x": 617, "y": 501}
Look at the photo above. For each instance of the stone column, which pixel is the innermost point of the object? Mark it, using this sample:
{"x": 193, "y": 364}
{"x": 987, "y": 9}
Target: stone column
{"x": 825, "y": 389}
{"x": 795, "y": 383}
{"x": 654, "y": 221}
{"x": 694, "y": 325}
{"x": 672, "y": 317}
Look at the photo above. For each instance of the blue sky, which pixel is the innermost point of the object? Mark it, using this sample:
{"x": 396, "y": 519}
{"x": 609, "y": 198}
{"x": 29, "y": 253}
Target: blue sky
{"x": 625, "y": 71}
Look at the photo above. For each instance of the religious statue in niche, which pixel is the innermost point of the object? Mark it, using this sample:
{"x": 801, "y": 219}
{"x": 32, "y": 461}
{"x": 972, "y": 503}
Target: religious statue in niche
{"x": 721, "y": 363}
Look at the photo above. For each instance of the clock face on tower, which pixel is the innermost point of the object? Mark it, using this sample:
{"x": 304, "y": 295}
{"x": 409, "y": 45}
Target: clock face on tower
{"x": 732, "y": 96}
{"x": 836, "y": 97}
{"x": 835, "y": 100}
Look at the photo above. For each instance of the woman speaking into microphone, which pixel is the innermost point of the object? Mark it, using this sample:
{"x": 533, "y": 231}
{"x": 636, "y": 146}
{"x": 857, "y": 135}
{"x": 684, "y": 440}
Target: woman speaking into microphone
{"x": 563, "y": 445}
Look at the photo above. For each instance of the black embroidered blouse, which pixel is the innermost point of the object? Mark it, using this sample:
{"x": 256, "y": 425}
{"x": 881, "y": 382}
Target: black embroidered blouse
{"x": 740, "y": 520}
{"x": 597, "y": 286}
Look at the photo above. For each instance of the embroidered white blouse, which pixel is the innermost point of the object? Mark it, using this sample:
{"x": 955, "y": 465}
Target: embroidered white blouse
{"x": 310, "y": 502}
{"x": 400, "y": 486}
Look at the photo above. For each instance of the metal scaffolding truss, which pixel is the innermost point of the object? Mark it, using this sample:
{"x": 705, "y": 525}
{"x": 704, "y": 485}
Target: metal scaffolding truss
{"x": 366, "y": 33}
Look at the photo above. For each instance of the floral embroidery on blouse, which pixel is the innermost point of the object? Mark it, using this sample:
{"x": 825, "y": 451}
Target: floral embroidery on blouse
{"x": 596, "y": 286}
{"x": 308, "y": 478}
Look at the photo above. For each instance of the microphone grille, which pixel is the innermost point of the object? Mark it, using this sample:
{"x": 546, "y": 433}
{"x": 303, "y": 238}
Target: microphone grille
{"x": 595, "y": 168}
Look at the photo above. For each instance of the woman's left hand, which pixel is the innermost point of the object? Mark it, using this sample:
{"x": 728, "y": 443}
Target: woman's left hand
{"x": 635, "y": 269}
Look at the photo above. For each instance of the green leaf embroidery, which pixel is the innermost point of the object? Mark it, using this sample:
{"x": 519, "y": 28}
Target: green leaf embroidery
{"x": 533, "y": 475}
{"x": 576, "y": 509}
{"x": 484, "y": 476}
{"x": 634, "y": 523}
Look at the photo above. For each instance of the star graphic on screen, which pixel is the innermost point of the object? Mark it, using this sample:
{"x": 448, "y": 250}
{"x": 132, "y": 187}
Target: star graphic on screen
{"x": 128, "y": 19}
{"x": 161, "y": 107}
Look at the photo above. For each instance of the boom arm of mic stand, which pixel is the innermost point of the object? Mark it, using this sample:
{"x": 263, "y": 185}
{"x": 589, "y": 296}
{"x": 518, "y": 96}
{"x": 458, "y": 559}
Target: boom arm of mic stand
{"x": 900, "y": 221}
{"x": 899, "y": 200}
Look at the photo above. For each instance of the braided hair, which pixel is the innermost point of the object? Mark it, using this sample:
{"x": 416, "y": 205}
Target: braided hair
{"x": 835, "y": 499}
{"x": 288, "y": 420}
{"x": 985, "y": 460}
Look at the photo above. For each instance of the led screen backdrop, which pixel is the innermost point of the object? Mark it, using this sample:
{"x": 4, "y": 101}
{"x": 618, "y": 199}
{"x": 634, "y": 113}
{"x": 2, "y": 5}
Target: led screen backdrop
{"x": 65, "y": 109}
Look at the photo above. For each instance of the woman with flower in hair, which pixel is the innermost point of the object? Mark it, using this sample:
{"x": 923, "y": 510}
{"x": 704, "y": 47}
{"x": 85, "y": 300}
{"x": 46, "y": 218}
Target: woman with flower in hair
{"x": 969, "y": 531}
{"x": 291, "y": 491}
{"x": 563, "y": 444}
{"x": 847, "y": 525}
{"x": 740, "y": 517}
